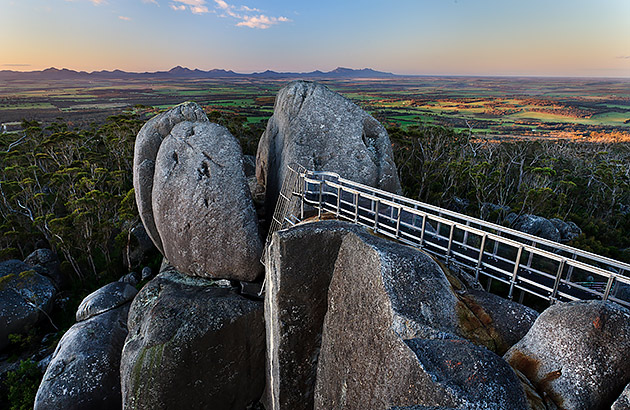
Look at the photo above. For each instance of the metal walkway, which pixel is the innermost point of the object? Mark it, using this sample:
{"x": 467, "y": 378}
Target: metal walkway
{"x": 526, "y": 263}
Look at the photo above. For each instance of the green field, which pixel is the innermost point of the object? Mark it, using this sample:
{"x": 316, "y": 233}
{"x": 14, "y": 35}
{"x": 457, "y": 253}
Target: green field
{"x": 528, "y": 107}
{"x": 27, "y": 106}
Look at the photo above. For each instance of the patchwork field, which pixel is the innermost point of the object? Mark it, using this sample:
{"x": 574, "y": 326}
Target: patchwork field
{"x": 498, "y": 107}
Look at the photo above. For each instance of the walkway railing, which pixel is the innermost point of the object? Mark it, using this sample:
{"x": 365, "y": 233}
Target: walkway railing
{"x": 523, "y": 262}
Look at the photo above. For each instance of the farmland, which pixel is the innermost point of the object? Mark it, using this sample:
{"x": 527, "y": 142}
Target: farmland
{"x": 490, "y": 106}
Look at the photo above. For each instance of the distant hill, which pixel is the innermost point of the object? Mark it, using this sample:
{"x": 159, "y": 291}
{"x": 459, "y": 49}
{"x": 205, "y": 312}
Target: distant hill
{"x": 183, "y": 73}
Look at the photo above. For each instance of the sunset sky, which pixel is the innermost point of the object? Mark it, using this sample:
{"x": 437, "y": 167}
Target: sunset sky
{"x": 441, "y": 37}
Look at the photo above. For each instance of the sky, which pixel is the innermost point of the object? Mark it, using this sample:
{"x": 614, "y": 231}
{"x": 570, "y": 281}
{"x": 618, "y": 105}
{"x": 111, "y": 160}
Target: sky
{"x": 579, "y": 38}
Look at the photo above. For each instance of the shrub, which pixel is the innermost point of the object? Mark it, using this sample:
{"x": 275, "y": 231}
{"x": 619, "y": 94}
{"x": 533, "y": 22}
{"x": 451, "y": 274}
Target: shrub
{"x": 22, "y": 385}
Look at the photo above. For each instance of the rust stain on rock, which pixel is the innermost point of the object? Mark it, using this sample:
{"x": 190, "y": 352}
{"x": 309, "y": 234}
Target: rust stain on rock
{"x": 529, "y": 367}
{"x": 549, "y": 377}
{"x": 525, "y": 364}
{"x": 535, "y": 401}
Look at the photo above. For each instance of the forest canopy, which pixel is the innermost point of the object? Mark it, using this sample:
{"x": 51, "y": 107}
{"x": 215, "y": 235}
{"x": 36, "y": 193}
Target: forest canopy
{"x": 72, "y": 187}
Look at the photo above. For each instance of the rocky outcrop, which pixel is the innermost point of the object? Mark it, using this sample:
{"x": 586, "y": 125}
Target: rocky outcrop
{"x": 45, "y": 262}
{"x": 323, "y": 131}
{"x": 106, "y": 298}
{"x": 395, "y": 325}
{"x": 301, "y": 261}
{"x": 534, "y": 225}
{"x": 192, "y": 345}
{"x": 577, "y": 354}
{"x": 147, "y": 144}
{"x": 249, "y": 165}
{"x": 193, "y": 196}
{"x": 84, "y": 370}
{"x": 146, "y": 273}
{"x": 553, "y": 229}
{"x": 26, "y": 297}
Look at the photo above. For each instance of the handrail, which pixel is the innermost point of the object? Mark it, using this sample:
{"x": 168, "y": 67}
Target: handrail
{"x": 524, "y": 262}
{"x": 489, "y": 225}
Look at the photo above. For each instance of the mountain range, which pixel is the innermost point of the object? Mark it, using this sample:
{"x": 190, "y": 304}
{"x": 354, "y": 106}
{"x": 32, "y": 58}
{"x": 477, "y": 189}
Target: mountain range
{"x": 186, "y": 73}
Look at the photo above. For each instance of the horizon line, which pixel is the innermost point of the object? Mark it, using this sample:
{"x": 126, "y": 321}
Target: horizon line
{"x": 9, "y": 66}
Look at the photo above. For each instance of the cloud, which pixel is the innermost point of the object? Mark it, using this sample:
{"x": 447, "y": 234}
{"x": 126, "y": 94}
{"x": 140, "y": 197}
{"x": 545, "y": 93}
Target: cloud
{"x": 623, "y": 57}
{"x": 16, "y": 65}
{"x": 125, "y": 18}
{"x": 247, "y": 19}
{"x": 251, "y": 10}
{"x": 151, "y": 1}
{"x": 261, "y": 21}
{"x": 227, "y": 9}
{"x": 195, "y": 6}
{"x": 222, "y": 5}
{"x": 199, "y": 9}
{"x": 192, "y": 2}
{"x": 245, "y": 16}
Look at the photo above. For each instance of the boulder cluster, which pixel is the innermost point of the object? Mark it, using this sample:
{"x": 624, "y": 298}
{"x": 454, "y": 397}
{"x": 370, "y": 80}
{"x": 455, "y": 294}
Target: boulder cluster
{"x": 193, "y": 196}
{"x": 553, "y": 229}
{"x": 348, "y": 319}
{"x": 84, "y": 369}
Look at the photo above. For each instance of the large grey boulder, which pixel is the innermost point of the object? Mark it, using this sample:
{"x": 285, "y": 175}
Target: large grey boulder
{"x": 108, "y": 297}
{"x": 535, "y": 225}
{"x": 26, "y": 297}
{"x": 84, "y": 370}
{"x": 202, "y": 204}
{"x": 392, "y": 336}
{"x": 577, "y": 354}
{"x": 301, "y": 261}
{"x": 323, "y": 131}
{"x": 193, "y": 196}
{"x": 147, "y": 144}
{"x": 192, "y": 345}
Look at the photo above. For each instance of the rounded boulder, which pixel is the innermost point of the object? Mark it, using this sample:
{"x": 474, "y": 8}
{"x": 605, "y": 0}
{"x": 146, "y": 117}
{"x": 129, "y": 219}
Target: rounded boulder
{"x": 202, "y": 204}
{"x": 108, "y": 297}
{"x": 323, "y": 131}
{"x": 577, "y": 354}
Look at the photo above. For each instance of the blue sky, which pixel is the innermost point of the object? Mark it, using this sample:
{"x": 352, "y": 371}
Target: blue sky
{"x": 476, "y": 37}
